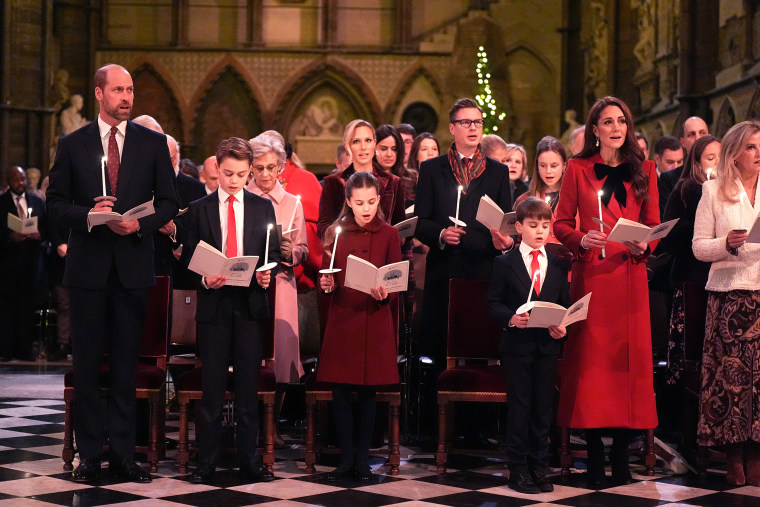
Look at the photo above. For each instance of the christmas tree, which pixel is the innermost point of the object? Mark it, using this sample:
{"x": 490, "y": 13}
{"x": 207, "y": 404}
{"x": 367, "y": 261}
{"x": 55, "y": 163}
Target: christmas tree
{"x": 492, "y": 117}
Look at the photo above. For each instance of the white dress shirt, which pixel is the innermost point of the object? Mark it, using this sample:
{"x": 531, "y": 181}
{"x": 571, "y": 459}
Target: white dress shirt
{"x": 238, "y": 207}
{"x": 105, "y": 134}
{"x": 526, "y": 253}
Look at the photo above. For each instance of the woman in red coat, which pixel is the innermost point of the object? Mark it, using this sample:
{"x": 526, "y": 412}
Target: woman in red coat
{"x": 607, "y": 363}
{"x": 359, "y": 347}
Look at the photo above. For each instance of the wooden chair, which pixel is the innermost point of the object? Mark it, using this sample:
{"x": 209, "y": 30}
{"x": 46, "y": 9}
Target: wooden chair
{"x": 189, "y": 387}
{"x": 316, "y": 392}
{"x": 472, "y": 349}
{"x": 149, "y": 379}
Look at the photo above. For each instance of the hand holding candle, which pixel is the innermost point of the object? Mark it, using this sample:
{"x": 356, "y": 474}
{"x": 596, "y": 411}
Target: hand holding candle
{"x": 103, "y": 162}
{"x": 293, "y": 215}
{"x": 601, "y": 225}
{"x": 266, "y": 247}
{"x": 459, "y": 196}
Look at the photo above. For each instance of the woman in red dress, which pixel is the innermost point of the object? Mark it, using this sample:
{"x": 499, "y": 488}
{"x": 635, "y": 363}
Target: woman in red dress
{"x": 359, "y": 347}
{"x": 607, "y": 364}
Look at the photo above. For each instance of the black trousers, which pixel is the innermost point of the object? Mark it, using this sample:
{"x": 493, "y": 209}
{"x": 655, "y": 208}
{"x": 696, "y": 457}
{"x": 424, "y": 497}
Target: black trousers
{"x": 346, "y": 424}
{"x": 111, "y": 316}
{"x": 530, "y": 388}
{"x": 232, "y": 333}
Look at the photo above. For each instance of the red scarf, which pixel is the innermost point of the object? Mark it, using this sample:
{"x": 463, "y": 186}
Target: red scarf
{"x": 466, "y": 171}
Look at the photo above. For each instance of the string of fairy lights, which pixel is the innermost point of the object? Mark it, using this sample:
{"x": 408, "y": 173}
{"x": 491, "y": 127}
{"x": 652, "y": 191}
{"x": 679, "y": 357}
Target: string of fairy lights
{"x": 492, "y": 117}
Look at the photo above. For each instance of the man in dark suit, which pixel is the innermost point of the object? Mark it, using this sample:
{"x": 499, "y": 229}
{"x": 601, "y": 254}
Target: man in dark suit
{"x": 529, "y": 355}
{"x": 21, "y": 267}
{"x": 230, "y": 318}
{"x": 109, "y": 269}
{"x": 457, "y": 251}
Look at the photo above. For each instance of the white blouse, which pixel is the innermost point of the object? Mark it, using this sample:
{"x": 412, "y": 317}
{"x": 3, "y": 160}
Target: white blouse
{"x": 715, "y": 218}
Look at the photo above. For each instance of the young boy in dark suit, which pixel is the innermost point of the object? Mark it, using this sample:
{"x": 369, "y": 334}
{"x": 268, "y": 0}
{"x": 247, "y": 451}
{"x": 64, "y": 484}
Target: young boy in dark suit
{"x": 529, "y": 355}
{"x": 234, "y": 221}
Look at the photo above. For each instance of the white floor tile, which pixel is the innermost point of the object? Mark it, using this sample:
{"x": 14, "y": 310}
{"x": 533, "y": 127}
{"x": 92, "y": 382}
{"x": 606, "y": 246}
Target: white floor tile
{"x": 36, "y": 403}
{"x": 11, "y": 422}
{"x": 27, "y": 411}
{"x": 53, "y": 450}
{"x": 50, "y": 466}
{"x": 160, "y": 488}
{"x": 659, "y": 491}
{"x": 24, "y": 502}
{"x": 38, "y": 486}
{"x": 286, "y": 489}
{"x": 413, "y": 490}
{"x": 746, "y": 490}
{"x": 560, "y": 492}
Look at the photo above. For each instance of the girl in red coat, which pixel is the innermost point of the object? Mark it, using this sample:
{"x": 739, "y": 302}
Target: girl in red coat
{"x": 607, "y": 362}
{"x": 359, "y": 347}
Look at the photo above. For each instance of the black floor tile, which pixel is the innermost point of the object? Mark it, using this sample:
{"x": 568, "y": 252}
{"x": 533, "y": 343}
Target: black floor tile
{"x": 350, "y": 497}
{"x": 18, "y": 455}
{"x": 724, "y": 500}
{"x": 350, "y": 482}
{"x": 478, "y": 499}
{"x": 715, "y": 482}
{"x": 37, "y": 429}
{"x": 8, "y": 474}
{"x": 220, "y": 497}
{"x": 467, "y": 480}
{"x": 223, "y": 478}
{"x": 88, "y": 497}
{"x": 51, "y": 418}
{"x": 602, "y": 499}
{"x": 30, "y": 441}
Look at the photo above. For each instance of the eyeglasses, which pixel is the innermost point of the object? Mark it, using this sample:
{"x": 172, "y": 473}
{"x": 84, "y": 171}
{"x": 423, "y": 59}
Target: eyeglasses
{"x": 270, "y": 168}
{"x": 466, "y": 123}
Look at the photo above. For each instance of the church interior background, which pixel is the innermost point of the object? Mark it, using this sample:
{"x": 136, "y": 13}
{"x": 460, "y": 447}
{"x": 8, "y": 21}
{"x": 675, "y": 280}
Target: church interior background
{"x": 210, "y": 69}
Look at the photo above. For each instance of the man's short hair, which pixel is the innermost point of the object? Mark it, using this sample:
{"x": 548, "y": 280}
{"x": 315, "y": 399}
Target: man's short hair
{"x": 405, "y": 128}
{"x": 535, "y": 208}
{"x": 667, "y": 143}
{"x": 340, "y": 151}
{"x": 465, "y": 103}
{"x": 101, "y": 75}
{"x": 236, "y": 148}
{"x": 639, "y": 135}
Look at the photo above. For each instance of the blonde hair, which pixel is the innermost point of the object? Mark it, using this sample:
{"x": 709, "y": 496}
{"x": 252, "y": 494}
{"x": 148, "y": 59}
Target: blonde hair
{"x": 731, "y": 146}
{"x": 350, "y": 130}
{"x": 512, "y": 147}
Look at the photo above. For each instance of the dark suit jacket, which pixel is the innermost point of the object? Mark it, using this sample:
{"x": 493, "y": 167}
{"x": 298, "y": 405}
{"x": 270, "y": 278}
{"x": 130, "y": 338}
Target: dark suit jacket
{"x": 509, "y": 288}
{"x": 75, "y": 181}
{"x": 436, "y": 201}
{"x": 203, "y": 224}
{"x": 23, "y": 261}
{"x": 665, "y": 185}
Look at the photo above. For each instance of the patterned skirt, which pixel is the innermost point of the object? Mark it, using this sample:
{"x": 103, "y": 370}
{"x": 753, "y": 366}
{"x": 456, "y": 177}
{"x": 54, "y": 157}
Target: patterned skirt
{"x": 676, "y": 340}
{"x": 729, "y": 411}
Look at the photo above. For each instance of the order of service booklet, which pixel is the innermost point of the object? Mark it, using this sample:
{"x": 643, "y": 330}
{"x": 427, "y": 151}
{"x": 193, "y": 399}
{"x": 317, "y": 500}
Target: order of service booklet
{"x": 754, "y": 233}
{"x": 491, "y": 215}
{"x": 628, "y": 230}
{"x": 363, "y": 275}
{"x": 406, "y": 227}
{"x": 208, "y": 261}
{"x": 22, "y": 225}
{"x": 545, "y": 314}
{"x": 101, "y": 217}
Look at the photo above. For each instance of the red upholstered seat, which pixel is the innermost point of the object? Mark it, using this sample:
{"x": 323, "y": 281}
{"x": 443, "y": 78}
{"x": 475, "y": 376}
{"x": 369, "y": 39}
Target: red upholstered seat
{"x": 486, "y": 379}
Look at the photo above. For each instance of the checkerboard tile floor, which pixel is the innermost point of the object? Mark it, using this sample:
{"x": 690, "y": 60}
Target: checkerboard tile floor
{"x": 31, "y": 474}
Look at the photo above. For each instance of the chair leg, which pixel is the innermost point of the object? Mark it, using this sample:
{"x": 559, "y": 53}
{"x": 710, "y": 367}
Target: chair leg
{"x": 183, "y": 448}
{"x": 650, "y": 459}
{"x": 394, "y": 455}
{"x": 441, "y": 457}
{"x": 68, "y": 430}
{"x": 268, "y": 458}
{"x": 565, "y": 458}
{"x": 153, "y": 403}
{"x": 310, "y": 458}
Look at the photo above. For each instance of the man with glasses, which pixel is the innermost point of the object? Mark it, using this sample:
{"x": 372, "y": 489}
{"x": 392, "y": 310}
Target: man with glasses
{"x": 466, "y": 249}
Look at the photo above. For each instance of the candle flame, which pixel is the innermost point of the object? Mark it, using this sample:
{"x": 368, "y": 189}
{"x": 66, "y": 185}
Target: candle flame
{"x": 709, "y": 172}
{"x": 460, "y": 188}
{"x": 104, "y": 160}
{"x": 600, "y": 193}
{"x": 337, "y": 230}
{"x": 548, "y": 199}
{"x": 298, "y": 197}
{"x": 270, "y": 226}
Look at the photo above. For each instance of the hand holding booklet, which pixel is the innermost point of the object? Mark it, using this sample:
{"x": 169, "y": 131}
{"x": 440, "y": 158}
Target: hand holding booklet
{"x": 208, "y": 261}
{"x": 22, "y": 225}
{"x": 491, "y": 215}
{"x": 363, "y": 275}
{"x": 102, "y": 217}
{"x": 754, "y": 234}
{"x": 628, "y": 230}
{"x": 545, "y": 314}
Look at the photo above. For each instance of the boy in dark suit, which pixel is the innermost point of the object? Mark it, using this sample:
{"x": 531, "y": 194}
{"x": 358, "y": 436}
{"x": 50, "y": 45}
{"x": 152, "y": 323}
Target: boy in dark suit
{"x": 230, "y": 318}
{"x": 530, "y": 355}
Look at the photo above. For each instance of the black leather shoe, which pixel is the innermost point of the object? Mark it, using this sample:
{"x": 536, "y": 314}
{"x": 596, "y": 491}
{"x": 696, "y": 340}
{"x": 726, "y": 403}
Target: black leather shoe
{"x": 88, "y": 471}
{"x": 204, "y": 474}
{"x": 342, "y": 472}
{"x": 621, "y": 479}
{"x": 540, "y": 480}
{"x": 127, "y": 470}
{"x": 363, "y": 474}
{"x": 256, "y": 473}
{"x": 522, "y": 482}
{"x": 596, "y": 482}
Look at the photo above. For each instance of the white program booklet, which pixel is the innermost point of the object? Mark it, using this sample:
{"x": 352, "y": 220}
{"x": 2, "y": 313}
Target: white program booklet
{"x": 363, "y": 275}
{"x": 491, "y": 215}
{"x": 208, "y": 261}
{"x": 101, "y": 217}
{"x": 628, "y": 230}
{"x": 406, "y": 227}
{"x": 544, "y": 314}
{"x": 22, "y": 225}
{"x": 754, "y": 233}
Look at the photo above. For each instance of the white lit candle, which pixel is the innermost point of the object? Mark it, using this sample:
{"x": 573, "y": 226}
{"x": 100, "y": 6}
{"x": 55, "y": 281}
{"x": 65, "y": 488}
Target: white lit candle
{"x": 601, "y": 220}
{"x": 293, "y": 216}
{"x": 266, "y": 248}
{"x": 536, "y": 273}
{"x": 103, "y": 174}
{"x": 459, "y": 196}
{"x": 709, "y": 173}
{"x": 741, "y": 209}
{"x": 335, "y": 245}
{"x": 28, "y": 212}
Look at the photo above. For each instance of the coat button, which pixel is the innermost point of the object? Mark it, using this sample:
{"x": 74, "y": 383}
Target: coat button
{"x": 625, "y": 257}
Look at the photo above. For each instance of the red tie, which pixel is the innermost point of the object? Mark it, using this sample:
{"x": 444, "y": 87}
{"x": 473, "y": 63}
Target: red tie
{"x": 535, "y": 269}
{"x": 113, "y": 161}
{"x": 231, "y": 229}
